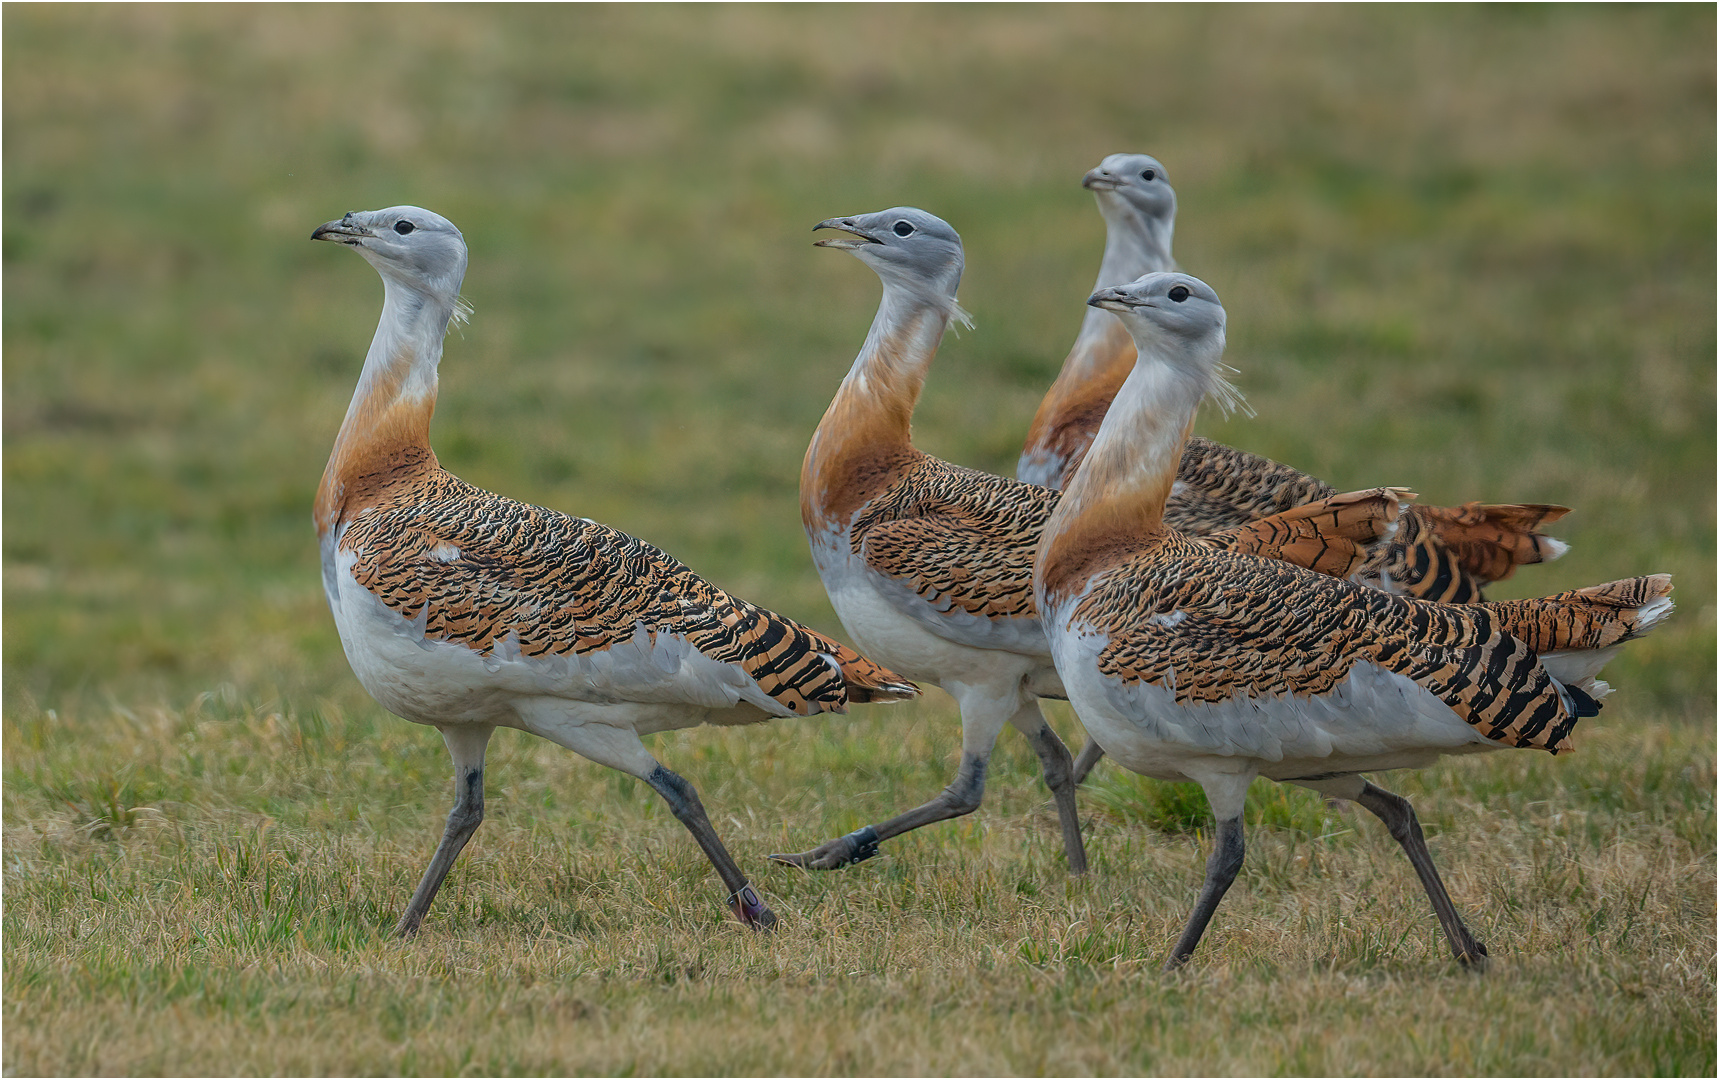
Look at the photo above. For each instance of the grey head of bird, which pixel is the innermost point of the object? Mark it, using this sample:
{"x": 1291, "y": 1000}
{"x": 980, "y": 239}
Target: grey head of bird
{"x": 1167, "y": 305}
{"x": 908, "y": 248}
{"x": 408, "y": 245}
{"x": 1179, "y": 319}
{"x": 1132, "y": 188}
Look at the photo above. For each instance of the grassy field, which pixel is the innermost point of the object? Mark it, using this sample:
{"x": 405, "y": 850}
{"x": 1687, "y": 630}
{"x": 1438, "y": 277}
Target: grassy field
{"x": 1466, "y": 250}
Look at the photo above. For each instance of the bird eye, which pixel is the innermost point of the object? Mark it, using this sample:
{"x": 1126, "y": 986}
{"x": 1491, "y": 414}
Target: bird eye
{"x": 1149, "y": 174}
{"x": 1179, "y": 293}
{"x": 903, "y": 228}
{"x": 403, "y": 227}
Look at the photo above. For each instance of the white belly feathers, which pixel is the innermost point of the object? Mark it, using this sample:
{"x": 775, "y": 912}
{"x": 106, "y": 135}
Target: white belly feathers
{"x": 885, "y": 621}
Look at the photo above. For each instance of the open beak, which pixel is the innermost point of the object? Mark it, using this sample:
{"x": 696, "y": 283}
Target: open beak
{"x": 342, "y": 231}
{"x": 1099, "y": 180}
{"x": 846, "y": 225}
{"x": 1113, "y": 299}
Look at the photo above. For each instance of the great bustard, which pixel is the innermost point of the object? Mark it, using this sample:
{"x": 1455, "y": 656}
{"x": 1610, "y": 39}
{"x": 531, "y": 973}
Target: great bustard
{"x": 1437, "y": 553}
{"x": 1139, "y": 209}
{"x": 467, "y": 611}
{"x": 1187, "y": 663}
{"x": 929, "y": 565}
{"x": 1441, "y": 553}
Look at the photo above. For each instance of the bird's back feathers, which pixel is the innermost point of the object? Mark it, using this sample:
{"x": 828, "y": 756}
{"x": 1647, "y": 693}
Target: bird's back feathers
{"x": 1445, "y": 554}
{"x": 1490, "y": 541}
{"x": 493, "y": 574}
{"x": 962, "y": 542}
{"x": 1219, "y": 626}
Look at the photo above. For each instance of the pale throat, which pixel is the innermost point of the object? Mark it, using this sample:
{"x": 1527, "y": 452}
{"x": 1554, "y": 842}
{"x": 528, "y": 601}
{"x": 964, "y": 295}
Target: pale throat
{"x": 889, "y": 373}
{"x": 407, "y": 346}
{"x": 1131, "y": 466}
{"x": 389, "y": 417}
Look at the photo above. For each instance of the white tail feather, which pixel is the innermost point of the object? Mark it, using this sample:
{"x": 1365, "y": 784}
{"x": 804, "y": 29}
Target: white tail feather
{"x": 1652, "y": 615}
{"x": 1577, "y": 667}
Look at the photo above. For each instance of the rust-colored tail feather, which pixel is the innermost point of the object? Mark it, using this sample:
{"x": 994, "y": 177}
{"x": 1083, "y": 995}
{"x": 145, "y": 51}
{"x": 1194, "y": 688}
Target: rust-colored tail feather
{"x": 1596, "y": 617}
{"x": 1448, "y": 553}
{"x": 1490, "y": 540}
{"x": 1334, "y": 535}
{"x": 868, "y": 682}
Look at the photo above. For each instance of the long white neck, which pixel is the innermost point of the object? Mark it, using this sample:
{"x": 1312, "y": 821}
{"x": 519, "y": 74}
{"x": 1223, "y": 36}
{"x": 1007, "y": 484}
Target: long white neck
{"x": 1134, "y": 244}
{"x": 387, "y": 425}
{"x": 899, "y": 346}
{"x": 868, "y": 429}
{"x": 404, "y": 354}
{"x": 883, "y": 386}
{"x": 1118, "y": 496}
{"x": 1102, "y": 354}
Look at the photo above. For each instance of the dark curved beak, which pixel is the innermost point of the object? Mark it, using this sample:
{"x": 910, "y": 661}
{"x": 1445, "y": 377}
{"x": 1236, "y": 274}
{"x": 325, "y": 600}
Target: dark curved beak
{"x": 1112, "y": 298}
{"x": 342, "y": 231}
{"x": 1099, "y": 180}
{"x": 847, "y": 225}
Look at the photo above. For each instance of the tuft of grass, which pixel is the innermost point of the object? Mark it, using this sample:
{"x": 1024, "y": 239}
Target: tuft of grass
{"x": 1465, "y": 250}
{"x": 103, "y": 804}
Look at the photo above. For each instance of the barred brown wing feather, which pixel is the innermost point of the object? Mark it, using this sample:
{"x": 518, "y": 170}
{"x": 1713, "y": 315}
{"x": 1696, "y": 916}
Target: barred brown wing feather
{"x": 1490, "y": 541}
{"x": 1333, "y": 536}
{"x": 1416, "y": 563}
{"x": 869, "y": 682}
{"x": 1218, "y": 487}
{"x": 1596, "y": 617}
{"x": 960, "y": 539}
{"x": 481, "y": 570}
{"x": 1444, "y": 554}
{"x": 1215, "y": 626}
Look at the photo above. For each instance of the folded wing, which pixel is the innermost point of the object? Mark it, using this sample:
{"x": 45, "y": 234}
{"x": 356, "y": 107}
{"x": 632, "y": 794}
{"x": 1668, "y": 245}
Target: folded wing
{"x": 506, "y": 579}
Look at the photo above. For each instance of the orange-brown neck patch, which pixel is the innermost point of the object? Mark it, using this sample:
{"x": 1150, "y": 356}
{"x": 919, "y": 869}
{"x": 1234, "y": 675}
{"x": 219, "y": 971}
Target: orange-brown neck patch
{"x": 855, "y": 454}
{"x": 1112, "y": 510}
{"x": 865, "y": 440}
{"x": 385, "y": 439}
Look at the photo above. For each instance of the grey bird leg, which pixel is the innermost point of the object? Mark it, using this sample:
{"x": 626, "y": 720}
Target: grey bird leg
{"x": 1221, "y": 869}
{"x": 1090, "y": 754}
{"x": 683, "y": 800}
{"x": 1059, "y": 777}
{"x": 466, "y": 746}
{"x": 1399, "y": 817}
{"x": 963, "y": 796}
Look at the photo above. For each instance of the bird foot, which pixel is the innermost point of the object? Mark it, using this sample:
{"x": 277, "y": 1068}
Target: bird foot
{"x": 749, "y": 909}
{"x": 857, "y": 846}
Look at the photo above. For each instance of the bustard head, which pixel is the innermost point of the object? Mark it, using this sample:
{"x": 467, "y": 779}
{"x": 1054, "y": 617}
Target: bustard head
{"x": 1179, "y": 320}
{"x": 407, "y": 245}
{"x": 907, "y": 247}
{"x": 1167, "y": 305}
{"x": 1132, "y": 189}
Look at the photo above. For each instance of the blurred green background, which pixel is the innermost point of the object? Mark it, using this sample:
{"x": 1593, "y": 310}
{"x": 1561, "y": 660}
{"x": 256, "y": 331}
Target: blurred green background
{"x": 1467, "y": 250}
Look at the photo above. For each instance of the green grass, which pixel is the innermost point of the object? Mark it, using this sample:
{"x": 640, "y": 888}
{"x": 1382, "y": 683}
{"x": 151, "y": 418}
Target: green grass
{"x": 1465, "y": 250}
{"x": 238, "y": 919}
